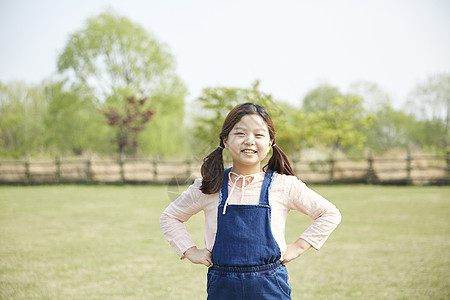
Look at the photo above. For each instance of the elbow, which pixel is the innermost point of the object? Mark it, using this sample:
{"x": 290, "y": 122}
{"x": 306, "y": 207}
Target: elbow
{"x": 334, "y": 217}
{"x": 163, "y": 219}
{"x": 338, "y": 217}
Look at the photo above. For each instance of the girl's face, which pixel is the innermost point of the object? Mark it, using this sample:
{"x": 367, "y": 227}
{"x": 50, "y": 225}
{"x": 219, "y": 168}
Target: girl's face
{"x": 248, "y": 143}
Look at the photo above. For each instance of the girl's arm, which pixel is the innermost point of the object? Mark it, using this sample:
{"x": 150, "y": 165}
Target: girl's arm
{"x": 179, "y": 211}
{"x": 325, "y": 215}
{"x": 294, "y": 250}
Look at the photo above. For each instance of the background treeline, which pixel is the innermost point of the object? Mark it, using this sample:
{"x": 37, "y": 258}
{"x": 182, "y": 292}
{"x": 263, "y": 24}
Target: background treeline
{"x": 117, "y": 92}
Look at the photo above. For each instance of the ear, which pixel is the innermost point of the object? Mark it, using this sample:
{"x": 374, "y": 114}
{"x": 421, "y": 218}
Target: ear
{"x": 271, "y": 143}
{"x": 225, "y": 142}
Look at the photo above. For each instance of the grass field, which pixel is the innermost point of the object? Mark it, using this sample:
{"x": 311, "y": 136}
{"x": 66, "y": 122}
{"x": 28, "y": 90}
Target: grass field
{"x": 104, "y": 242}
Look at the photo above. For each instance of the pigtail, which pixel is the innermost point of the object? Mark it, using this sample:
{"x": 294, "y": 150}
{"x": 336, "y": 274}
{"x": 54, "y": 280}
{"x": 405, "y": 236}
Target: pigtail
{"x": 212, "y": 171}
{"x": 279, "y": 162}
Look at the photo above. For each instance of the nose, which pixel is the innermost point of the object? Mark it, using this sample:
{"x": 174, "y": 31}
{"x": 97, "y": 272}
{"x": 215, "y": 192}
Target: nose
{"x": 250, "y": 140}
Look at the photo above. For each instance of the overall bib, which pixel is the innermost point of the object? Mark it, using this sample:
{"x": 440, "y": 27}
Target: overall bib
{"x": 245, "y": 256}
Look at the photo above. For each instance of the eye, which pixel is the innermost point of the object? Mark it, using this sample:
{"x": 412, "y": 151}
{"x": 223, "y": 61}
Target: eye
{"x": 259, "y": 135}
{"x": 239, "y": 133}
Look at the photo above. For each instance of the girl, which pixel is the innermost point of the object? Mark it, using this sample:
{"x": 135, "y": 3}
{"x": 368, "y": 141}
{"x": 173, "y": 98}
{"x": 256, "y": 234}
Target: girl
{"x": 245, "y": 212}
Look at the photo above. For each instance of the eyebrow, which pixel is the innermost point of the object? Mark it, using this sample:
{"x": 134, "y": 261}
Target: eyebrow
{"x": 258, "y": 129}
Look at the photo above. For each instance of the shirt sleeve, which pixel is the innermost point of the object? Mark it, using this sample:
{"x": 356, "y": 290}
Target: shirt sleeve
{"x": 179, "y": 211}
{"x": 325, "y": 215}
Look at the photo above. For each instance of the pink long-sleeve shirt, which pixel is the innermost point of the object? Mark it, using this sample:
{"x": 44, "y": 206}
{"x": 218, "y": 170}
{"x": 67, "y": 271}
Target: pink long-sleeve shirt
{"x": 287, "y": 193}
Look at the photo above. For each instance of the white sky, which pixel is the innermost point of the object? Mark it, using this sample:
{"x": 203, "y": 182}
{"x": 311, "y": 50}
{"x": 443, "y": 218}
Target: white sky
{"x": 291, "y": 46}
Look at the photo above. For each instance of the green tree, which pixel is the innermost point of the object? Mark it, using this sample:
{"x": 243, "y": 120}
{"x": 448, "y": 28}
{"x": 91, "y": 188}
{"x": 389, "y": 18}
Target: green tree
{"x": 374, "y": 98}
{"x": 391, "y": 129}
{"x": 166, "y": 134}
{"x": 119, "y": 59}
{"x": 294, "y": 132}
{"x": 429, "y": 101}
{"x": 22, "y": 109}
{"x": 320, "y": 98}
{"x": 337, "y": 120}
{"x": 72, "y": 122}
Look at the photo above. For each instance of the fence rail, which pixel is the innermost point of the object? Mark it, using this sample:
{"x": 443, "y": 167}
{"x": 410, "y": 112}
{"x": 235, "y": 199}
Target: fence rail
{"x": 423, "y": 170}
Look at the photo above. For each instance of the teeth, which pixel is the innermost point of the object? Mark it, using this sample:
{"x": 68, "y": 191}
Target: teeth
{"x": 249, "y": 151}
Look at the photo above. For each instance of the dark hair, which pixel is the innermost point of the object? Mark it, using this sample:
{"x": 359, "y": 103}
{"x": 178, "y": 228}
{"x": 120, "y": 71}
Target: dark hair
{"x": 212, "y": 168}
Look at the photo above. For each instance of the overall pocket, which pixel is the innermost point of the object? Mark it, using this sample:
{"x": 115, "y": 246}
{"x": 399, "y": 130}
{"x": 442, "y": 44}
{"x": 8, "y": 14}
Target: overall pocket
{"x": 282, "y": 279}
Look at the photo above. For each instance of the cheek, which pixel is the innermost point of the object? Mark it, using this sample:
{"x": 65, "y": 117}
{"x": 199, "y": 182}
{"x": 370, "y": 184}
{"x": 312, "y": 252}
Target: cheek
{"x": 231, "y": 143}
{"x": 265, "y": 145}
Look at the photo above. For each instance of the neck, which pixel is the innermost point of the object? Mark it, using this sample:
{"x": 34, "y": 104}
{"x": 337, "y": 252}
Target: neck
{"x": 246, "y": 171}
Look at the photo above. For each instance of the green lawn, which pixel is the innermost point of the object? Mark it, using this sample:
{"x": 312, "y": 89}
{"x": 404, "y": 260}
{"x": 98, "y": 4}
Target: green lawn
{"x": 104, "y": 242}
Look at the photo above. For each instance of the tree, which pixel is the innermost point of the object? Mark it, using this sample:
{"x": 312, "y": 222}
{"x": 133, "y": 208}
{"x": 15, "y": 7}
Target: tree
{"x": 72, "y": 122}
{"x": 429, "y": 101}
{"x": 294, "y": 132}
{"x": 374, "y": 98}
{"x": 391, "y": 129}
{"x": 22, "y": 109}
{"x": 341, "y": 127}
{"x": 129, "y": 123}
{"x": 336, "y": 120}
{"x": 112, "y": 52}
{"x": 320, "y": 98}
{"x": 119, "y": 59}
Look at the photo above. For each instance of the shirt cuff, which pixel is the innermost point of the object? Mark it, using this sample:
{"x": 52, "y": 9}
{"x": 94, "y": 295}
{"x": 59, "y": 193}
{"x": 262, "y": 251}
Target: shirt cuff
{"x": 181, "y": 248}
{"x": 313, "y": 244}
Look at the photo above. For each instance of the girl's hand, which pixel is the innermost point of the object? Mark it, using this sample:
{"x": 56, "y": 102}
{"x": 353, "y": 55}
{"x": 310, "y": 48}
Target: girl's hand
{"x": 294, "y": 250}
{"x": 199, "y": 256}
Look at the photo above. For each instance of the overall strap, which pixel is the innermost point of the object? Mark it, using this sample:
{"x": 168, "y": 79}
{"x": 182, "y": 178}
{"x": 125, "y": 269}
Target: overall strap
{"x": 264, "y": 195}
{"x": 223, "y": 192}
{"x": 267, "y": 184}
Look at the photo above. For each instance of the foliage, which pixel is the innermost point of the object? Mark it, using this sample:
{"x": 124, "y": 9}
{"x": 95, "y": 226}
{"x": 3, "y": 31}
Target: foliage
{"x": 111, "y": 59}
{"x": 431, "y": 136}
{"x": 112, "y": 52}
{"x": 119, "y": 59}
{"x": 293, "y": 132}
{"x": 129, "y": 123}
{"x": 429, "y": 101}
{"x": 391, "y": 129}
{"x": 167, "y": 135}
{"x": 320, "y": 98}
{"x": 374, "y": 98}
{"x": 22, "y": 109}
{"x": 72, "y": 122}
{"x": 337, "y": 121}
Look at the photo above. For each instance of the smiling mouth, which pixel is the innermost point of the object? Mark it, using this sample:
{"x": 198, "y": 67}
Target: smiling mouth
{"x": 249, "y": 151}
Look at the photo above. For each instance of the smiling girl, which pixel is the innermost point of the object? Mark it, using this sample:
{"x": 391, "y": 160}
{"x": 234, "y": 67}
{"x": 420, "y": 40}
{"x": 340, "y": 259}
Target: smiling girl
{"x": 245, "y": 208}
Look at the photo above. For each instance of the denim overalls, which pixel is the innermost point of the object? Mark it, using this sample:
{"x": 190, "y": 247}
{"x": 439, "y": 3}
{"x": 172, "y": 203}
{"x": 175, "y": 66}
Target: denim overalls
{"x": 245, "y": 256}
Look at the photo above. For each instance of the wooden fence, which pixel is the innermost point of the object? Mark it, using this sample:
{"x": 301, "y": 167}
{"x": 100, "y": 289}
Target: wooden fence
{"x": 423, "y": 170}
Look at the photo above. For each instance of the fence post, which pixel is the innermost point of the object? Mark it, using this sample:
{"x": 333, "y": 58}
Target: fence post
{"x": 408, "y": 169}
{"x": 58, "y": 169}
{"x": 122, "y": 173}
{"x": 27, "y": 169}
{"x": 88, "y": 169}
{"x": 155, "y": 168}
{"x": 370, "y": 170}
{"x": 331, "y": 161}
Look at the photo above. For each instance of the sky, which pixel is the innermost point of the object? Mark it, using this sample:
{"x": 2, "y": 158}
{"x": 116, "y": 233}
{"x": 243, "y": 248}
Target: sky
{"x": 290, "y": 46}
